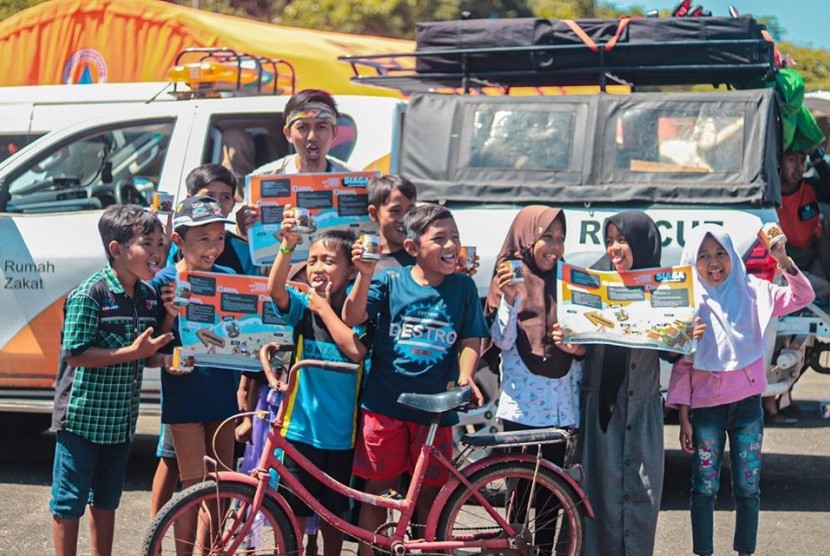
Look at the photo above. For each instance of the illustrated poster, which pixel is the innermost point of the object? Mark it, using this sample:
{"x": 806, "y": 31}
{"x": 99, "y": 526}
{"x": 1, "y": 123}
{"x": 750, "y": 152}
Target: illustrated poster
{"x": 224, "y": 319}
{"x": 336, "y": 200}
{"x": 650, "y": 308}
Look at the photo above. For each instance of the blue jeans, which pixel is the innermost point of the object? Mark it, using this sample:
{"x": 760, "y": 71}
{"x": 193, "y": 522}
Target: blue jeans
{"x": 743, "y": 422}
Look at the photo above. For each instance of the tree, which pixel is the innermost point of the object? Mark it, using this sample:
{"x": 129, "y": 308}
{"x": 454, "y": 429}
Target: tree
{"x": 10, "y": 7}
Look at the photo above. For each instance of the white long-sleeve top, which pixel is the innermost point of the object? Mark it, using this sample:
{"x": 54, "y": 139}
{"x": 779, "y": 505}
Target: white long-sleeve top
{"x": 526, "y": 398}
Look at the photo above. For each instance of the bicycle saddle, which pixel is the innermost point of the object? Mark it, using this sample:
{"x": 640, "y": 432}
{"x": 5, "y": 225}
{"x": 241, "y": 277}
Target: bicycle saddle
{"x": 438, "y": 403}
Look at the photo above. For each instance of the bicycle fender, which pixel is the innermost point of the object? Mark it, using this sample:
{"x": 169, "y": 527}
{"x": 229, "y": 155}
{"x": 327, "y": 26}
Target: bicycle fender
{"x": 234, "y": 477}
{"x": 453, "y": 483}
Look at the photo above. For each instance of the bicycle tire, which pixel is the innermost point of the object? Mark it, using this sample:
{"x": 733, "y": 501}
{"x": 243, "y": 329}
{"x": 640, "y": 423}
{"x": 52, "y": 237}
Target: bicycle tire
{"x": 273, "y": 534}
{"x": 504, "y": 486}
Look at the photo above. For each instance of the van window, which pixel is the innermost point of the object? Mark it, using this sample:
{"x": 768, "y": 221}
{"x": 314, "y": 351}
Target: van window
{"x": 522, "y": 138}
{"x": 95, "y": 170}
{"x": 244, "y": 142}
{"x": 693, "y": 141}
{"x": 10, "y": 144}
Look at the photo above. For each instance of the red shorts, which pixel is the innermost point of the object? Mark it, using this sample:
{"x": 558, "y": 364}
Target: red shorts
{"x": 388, "y": 447}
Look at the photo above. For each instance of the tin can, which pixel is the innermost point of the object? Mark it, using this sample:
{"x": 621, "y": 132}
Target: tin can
{"x": 162, "y": 202}
{"x": 371, "y": 247}
{"x": 183, "y": 294}
{"x": 516, "y": 268}
{"x": 467, "y": 257}
{"x": 770, "y": 234}
{"x": 182, "y": 363}
{"x": 824, "y": 408}
{"x": 304, "y": 223}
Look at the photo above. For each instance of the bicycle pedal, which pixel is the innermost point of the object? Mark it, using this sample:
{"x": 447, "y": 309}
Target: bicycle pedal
{"x": 391, "y": 493}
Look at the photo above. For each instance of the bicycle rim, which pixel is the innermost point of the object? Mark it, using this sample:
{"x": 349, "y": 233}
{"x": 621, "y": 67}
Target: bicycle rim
{"x": 219, "y": 512}
{"x": 547, "y": 514}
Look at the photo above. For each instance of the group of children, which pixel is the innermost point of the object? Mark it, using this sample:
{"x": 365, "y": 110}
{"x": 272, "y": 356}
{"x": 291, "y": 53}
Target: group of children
{"x": 419, "y": 324}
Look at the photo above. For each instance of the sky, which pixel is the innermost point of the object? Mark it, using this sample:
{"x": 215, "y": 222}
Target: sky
{"x": 806, "y": 22}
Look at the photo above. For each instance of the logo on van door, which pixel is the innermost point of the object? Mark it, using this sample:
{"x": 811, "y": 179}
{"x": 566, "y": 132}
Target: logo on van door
{"x": 84, "y": 67}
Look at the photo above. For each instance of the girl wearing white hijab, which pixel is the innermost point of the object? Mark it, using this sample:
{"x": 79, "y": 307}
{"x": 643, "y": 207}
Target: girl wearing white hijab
{"x": 717, "y": 390}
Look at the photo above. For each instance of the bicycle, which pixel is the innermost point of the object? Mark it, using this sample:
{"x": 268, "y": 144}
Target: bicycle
{"x": 505, "y": 503}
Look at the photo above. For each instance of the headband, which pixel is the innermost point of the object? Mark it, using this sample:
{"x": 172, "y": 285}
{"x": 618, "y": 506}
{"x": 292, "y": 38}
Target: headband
{"x": 317, "y": 110}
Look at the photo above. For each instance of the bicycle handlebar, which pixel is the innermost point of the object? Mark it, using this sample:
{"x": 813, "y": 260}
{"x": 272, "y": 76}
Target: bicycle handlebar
{"x": 337, "y": 366}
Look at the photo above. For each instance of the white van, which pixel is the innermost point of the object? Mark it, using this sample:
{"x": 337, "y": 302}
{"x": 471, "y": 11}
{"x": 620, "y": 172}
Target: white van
{"x": 29, "y": 112}
{"x": 52, "y": 193}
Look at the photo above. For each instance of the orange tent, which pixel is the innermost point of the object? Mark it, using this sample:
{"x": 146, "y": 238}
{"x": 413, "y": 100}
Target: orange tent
{"x": 96, "y": 41}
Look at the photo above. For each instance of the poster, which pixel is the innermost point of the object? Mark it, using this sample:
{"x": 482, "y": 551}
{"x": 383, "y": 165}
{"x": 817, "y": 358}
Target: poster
{"x": 224, "y": 319}
{"x": 335, "y": 200}
{"x": 651, "y": 308}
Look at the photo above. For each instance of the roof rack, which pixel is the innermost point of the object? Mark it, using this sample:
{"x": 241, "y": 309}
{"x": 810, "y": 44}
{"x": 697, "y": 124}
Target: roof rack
{"x": 742, "y": 58}
{"x": 209, "y": 70}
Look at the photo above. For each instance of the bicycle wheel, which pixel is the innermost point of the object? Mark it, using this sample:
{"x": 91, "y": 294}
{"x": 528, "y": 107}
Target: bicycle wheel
{"x": 548, "y": 515}
{"x": 206, "y": 518}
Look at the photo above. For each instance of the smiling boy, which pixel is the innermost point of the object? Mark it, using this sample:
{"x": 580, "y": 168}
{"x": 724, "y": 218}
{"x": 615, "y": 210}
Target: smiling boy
{"x": 429, "y": 326}
{"x": 322, "y": 409}
{"x": 107, "y": 336}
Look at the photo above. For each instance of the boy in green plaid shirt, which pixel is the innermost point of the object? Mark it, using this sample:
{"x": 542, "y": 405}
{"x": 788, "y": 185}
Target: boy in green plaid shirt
{"x": 107, "y": 337}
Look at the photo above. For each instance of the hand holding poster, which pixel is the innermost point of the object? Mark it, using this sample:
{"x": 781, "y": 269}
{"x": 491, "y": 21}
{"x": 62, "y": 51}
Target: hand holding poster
{"x": 332, "y": 200}
{"x": 224, "y": 319}
{"x": 650, "y": 308}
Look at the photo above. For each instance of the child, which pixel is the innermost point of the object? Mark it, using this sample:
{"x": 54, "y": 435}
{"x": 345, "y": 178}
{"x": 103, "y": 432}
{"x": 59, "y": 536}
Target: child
{"x": 621, "y": 421}
{"x": 321, "y": 411}
{"x": 194, "y": 404}
{"x": 220, "y": 183}
{"x": 531, "y": 363}
{"x": 718, "y": 389}
{"x": 429, "y": 328}
{"x": 390, "y": 198}
{"x": 107, "y": 336}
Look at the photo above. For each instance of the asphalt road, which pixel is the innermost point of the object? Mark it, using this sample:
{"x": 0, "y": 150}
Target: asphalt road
{"x": 795, "y": 484}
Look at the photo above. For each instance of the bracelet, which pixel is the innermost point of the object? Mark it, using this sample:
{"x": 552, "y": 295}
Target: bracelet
{"x": 787, "y": 265}
{"x": 286, "y": 251}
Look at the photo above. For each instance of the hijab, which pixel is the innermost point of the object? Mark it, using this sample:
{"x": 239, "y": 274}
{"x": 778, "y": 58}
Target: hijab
{"x": 538, "y": 313}
{"x": 734, "y": 329}
{"x": 643, "y": 237}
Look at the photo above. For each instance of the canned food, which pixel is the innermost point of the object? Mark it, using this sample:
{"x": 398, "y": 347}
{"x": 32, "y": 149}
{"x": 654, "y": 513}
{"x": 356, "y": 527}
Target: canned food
{"x": 771, "y": 234}
{"x": 304, "y": 223}
{"x": 182, "y": 363}
{"x": 371, "y": 247}
{"x": 183, "y": 294}
{"x": 162, "y": 202}
{"x": 467, "y": 257}
{"x": 516, "y": 268}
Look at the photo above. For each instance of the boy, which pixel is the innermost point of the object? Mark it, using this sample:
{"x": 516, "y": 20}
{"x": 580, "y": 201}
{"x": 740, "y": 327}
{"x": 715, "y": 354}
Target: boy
{"x": 107, "y": 336}
{"x": 322, "y": 408}
{"x": 195, "y": 404}
{"x": 390, "y": 198}
{"x": 429, "y": 326}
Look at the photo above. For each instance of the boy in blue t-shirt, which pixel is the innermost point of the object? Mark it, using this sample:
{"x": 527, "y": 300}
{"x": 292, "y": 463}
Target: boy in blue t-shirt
{"x": 429, "y": 326}
{"x": 321, "y": 411}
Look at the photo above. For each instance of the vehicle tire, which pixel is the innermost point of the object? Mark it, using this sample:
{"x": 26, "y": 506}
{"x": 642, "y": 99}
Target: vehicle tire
{"x": 554, "y": 524}
{"x": 225, "y": 504}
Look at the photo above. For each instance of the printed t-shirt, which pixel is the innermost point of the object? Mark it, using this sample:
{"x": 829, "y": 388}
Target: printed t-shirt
{"x": 322, "y": 409}
{"x": 205, "y": 394}
{"x": 288, "y": 165}
{"x": 100, "y": 404}
{"x": 799, "y": 216}
{"x": 416, "y": 339}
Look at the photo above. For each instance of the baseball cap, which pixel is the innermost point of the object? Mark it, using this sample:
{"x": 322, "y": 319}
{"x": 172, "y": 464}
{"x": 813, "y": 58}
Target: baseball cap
{"x": 198, "y": 211}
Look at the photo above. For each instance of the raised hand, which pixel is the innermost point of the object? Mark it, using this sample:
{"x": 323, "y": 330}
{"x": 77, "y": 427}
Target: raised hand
{"x": 504, "y": 278}
{"x": 146, "y": 345}
{"x": 246, "y": 217}
{"x": 168, "y": 294}
{"x": 699, "y": 329}
{"x": 367, "y": 268}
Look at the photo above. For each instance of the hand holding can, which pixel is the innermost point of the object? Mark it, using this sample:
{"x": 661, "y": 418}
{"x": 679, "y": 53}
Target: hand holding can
{"x": 516, "y": 267}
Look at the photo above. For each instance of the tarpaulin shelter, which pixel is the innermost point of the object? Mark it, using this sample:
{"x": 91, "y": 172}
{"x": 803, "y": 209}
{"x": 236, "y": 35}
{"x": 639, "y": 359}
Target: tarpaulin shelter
{"x": 96, "y": 41}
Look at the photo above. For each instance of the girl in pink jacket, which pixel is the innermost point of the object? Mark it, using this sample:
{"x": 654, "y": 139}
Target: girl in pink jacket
{"x": 718, "y": 389}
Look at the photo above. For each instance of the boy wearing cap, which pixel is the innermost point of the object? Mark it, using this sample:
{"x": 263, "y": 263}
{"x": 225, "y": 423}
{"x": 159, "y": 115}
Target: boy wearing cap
{"x": 107, "y": 336}
{"x": 195, "y": 404}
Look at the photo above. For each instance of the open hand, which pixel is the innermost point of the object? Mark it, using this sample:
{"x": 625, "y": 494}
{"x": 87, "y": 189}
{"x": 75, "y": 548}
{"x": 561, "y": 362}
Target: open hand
{"x": 145, "y": 345}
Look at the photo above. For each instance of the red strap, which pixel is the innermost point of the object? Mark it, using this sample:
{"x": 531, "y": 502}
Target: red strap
{"x": 583, "y": 36}
{"x": 620, "y": 30}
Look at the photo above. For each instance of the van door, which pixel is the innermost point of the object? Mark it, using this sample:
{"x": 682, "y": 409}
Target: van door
{"x": 15, "y": 130}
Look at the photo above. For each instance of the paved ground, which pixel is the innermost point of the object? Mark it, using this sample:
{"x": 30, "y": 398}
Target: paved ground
{"x": 795, "y": 482}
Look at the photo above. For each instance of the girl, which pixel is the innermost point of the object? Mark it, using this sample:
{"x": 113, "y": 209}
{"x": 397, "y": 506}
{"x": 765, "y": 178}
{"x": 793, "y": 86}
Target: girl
{"x": 718, "y": 389}
{"x": 621, "y": 426}
{"x": 537, "y": 388}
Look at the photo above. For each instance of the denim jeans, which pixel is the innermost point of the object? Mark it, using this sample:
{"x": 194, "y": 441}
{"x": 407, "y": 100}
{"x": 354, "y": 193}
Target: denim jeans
{"x": 743, "y": 422}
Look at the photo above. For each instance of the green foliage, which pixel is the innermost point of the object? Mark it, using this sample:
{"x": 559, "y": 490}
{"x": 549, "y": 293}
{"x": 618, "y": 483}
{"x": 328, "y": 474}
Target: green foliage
{"x": 10, "y": 7}
{"x": 812, "y": 63}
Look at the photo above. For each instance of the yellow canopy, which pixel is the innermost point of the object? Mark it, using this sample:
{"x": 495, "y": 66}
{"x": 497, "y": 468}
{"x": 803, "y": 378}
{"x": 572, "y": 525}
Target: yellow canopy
{"x": 96, "y": 41}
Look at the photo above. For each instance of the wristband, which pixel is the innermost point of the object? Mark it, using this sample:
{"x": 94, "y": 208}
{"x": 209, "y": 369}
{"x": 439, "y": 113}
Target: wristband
{"x": 286, "y": 251}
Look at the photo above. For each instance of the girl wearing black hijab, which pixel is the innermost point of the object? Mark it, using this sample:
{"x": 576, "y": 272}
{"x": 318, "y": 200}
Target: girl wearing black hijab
{"x": 621, "y": 430}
